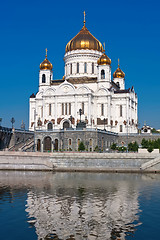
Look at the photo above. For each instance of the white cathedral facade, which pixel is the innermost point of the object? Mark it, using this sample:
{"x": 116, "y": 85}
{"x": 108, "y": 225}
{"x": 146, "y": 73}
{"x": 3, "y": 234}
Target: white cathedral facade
{"x": 87, "y": 92}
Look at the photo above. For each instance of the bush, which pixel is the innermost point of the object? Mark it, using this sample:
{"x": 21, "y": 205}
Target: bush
{"x": 150, "y": 149}
{"x": 151, "y": 144}
{"x": 121, "y": 149}
{"x": 114, "y": 146}
{"x": 133, "y": 147}
{"x": 81, "y": 147}
{"x": 144, "y": 143}
{"x": 96, "y": 149}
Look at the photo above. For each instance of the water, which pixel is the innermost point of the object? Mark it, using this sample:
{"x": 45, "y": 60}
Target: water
{"x": 42, "y": 205}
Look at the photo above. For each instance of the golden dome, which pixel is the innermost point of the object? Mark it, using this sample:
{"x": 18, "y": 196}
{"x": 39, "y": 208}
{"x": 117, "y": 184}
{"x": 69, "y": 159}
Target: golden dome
{"x": 118, "y": 73}
{"x": 104, "y": 60}
{"x": 84, "y": 40}
{"x": 46, "y": 65}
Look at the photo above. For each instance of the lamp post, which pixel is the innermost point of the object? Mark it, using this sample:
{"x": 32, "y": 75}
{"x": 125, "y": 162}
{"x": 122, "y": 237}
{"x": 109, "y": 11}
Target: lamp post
{"x": 80, "y": 113}
{"x": 34, "y": 129}
{"x": 104, "y": 123}
{"x": 0, "y": 121}
{"x": 12, "y": 121}
{"x": 23, "y": 128}
{"x": 71, "y": 118}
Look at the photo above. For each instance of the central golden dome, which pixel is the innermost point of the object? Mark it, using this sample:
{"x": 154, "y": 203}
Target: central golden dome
{"x": 84, "y": 40}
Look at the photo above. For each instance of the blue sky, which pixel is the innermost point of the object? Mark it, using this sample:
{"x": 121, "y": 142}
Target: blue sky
{"x": 130, "y": 30}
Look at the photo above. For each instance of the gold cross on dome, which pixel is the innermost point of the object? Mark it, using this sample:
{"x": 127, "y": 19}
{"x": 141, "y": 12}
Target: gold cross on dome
{"x": 104, "y": 45}
{"x": 84, "y": 17}
{"x": 118, "y": 62}
{"x": 46, "y": 51}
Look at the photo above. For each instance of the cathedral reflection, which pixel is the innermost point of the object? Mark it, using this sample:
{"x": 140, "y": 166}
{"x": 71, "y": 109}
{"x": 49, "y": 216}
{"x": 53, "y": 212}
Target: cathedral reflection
{"x": 84, "y": 206}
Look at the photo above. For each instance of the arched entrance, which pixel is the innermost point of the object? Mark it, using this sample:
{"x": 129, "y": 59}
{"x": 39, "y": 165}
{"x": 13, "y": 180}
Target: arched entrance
{"x": 38, "y": 145}
{"x": 47, "y": 144}
{"x": 56, "y": 145}
{"x": 66, "y": 124}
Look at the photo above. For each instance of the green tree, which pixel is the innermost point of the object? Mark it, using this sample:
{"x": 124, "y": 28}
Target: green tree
{"x": 144, "y": 143}
{"x": 81, "y": 147}
{"x": 133, "y": 147}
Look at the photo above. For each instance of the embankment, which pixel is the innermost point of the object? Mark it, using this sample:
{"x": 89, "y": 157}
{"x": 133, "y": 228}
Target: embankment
{"x": 98, "y": 162}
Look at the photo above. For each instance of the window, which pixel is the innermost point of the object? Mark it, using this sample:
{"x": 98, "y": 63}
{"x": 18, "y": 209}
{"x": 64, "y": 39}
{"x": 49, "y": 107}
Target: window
{"x": 77, "y": 67}
{"x": 69, "y": 108}
{"x": 90, "y": 145}
{"x": 71, "y": 68}
{"x": 82, "y": 107}
{"x": 43, "y": 78}
{"x": 121, "y": 130}
{"x": 62, "y": 108}
{"x": 85, "y": 67}
{"x": 66, "y": 112}
{"x": 92, "y": 68}
{"x": 78, "y": 142}
{"x": 50, "y": 77}
{"x": 102, "y": 74}
{"x": 70, "y": 141}
{"x": 120, "y": 110}
{"x": 50, "y": 126}
{"x": 50, "y": 109}
{"x": 41, "y": 112}
{"x": 102, "y": 109}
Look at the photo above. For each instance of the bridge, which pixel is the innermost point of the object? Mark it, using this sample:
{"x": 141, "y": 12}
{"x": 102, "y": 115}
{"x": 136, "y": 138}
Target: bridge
{"x": 16, "y": 139}
{"x": 5, "y": 137}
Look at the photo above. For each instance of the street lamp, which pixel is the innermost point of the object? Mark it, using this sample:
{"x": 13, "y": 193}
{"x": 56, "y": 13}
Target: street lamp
{"x": 12, "y": 121}
{"x": 35, "y": 114}
{"x": 80, "y": 113}
{"x": 104, "y": 123}
{"x": 71, "y": 118}
{"x": 0, "y": 121}
{"x": 23, "y": 128}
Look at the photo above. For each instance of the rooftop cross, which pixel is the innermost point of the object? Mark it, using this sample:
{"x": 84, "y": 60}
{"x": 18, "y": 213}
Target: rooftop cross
{"x": 104, "y": 46}
{"x": 84, "y": 17}
{"x": 118, "y": 62}
{"x": 46, "y": 52}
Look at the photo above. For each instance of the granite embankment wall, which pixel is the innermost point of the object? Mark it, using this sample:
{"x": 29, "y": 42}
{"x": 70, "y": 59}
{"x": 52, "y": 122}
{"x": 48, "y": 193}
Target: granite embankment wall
{"x": 118, "y": 162}
{"x": 135, "y": 137}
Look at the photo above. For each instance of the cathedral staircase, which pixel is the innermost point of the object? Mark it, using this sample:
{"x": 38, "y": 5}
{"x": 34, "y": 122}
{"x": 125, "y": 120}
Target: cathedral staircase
{"x": 150, "y": 163}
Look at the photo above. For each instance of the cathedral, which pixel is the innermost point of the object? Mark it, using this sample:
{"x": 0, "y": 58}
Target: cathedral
{"x": 87, "y": 95}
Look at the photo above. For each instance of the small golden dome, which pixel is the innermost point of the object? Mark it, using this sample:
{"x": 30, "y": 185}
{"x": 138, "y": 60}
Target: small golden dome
{"x": 104, "y": 60}
{"x": 118, "y": 73}
{"x": 84, "y": 40}
{"x": 46, "y": 65}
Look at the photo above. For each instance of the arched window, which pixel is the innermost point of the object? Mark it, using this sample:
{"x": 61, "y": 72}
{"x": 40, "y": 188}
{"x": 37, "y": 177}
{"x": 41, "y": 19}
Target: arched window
{"x": 71, "y": 68}
{"x": 70, "y": 141}
{"x": 102, "y": 74}
{"x": 65, "y": 124}
{"x": 92, "y": 68}
{"x": 85, "y": 67}
{"x": 56, "y": 145}
{"x": 50, "y": 126}
{"x": 43, "y": 78}
{"x": 77, "y": 67}
{"x": 38, "y": 145}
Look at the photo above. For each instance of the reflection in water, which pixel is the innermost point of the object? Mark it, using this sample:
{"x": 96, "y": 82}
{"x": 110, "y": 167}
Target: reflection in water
{"x": 84, "y": 206}
{"x": 78, "y": 206}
